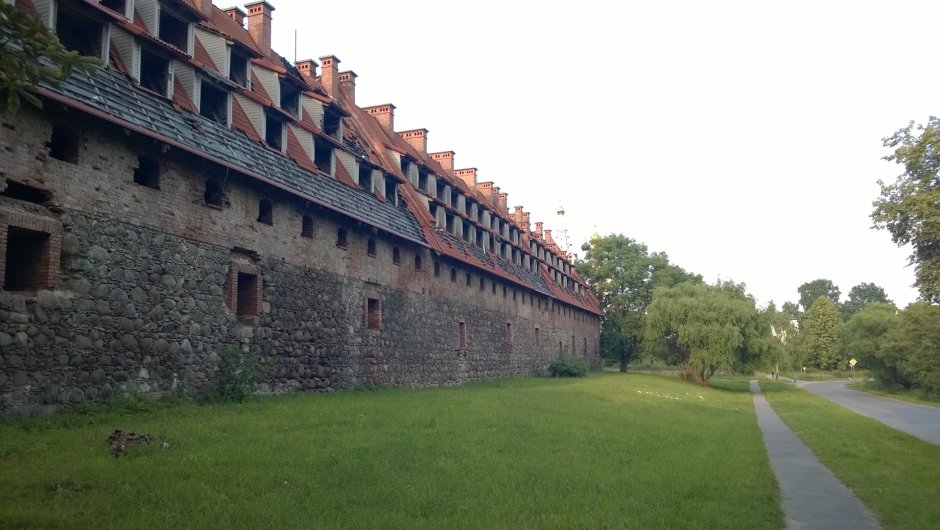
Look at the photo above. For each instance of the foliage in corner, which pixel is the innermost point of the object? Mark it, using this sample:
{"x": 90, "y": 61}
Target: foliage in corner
{"x": 908, "y": 207}
{"x": 27, "y": 46}
{"x": 568, "y": 367}
{"x": 237, "y": 376}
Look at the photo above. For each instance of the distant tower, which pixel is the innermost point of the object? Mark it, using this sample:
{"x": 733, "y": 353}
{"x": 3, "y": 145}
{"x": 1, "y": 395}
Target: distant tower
{"x": 563, "y": 241}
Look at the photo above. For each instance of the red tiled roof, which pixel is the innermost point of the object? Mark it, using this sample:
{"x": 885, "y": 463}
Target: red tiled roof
{"x": 296, "y": 152}
{"x": 224, "y": 24}
{"x": 201, "y": 56}
{"x": 181, "y": 98}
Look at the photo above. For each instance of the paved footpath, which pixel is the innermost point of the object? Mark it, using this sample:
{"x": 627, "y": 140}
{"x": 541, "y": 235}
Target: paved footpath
{"x": 922, "y": 421}
{"x": 812, "y": 496}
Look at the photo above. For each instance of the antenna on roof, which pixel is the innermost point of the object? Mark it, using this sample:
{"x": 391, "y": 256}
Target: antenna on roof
{"x": 295, "y": 46}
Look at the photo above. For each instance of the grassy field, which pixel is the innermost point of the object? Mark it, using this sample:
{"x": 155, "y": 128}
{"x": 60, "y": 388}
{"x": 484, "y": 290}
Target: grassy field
{"x": 607, "y": 451}
{"x": 895, "y": 474}
{"x": 909, "y": 395}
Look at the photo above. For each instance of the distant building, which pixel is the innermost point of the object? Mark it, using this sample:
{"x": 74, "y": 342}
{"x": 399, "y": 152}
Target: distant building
{"x": 200, "y": 191}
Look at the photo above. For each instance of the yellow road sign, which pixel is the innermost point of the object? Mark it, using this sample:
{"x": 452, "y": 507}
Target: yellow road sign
{"x": 852, "y": 362}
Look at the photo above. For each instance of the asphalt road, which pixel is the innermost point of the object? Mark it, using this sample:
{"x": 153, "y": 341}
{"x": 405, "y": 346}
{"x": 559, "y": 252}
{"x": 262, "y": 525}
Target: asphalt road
{"x": 922, "y": 421}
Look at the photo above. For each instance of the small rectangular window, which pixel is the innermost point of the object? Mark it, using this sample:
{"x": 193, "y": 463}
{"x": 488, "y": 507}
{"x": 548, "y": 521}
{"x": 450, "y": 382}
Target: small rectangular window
{"x": 417, "y": 262}
{"x": 306, "y": 226}
{"x": 370, "y": 247}
{"x": 453, "y": 275}
{"x": 266, "y": 212}
{"x": 213, "y": 103}
{"x": 238, "y": 68}
{"x": 154, "y": 72}
{"x": 323, "y": 155}
{"x": 174, "y": 30}
{"x": 468, "y": 279}
{"x": 462, "y": 335}
{"x": 342, "y": 240}
{"x": 373, "y": 313}
{"x": 213, "y": 193}
{"x": 365, "y": 177}
{"x": 494, "y": 287}
{"x": 247, "y": 294}
{"x": 391, "y": 191}
{"x": 538, "y": 337}
{"x": 274, "y": 133}
{"x": 482, "y": 284}
{"x": 28, "y": 260}
{"x": 64, "y": 144}
{"x": 509, "y": 332}
{"x": 437, "y": 269}
{"x": 147, "y": 172}
{"x": 396, "y": 256}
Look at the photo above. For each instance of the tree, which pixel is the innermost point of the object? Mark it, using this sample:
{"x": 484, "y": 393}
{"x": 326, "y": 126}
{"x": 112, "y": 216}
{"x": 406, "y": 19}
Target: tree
{"x": 908, "y": 207}
{"x": 915, "y": 347}
{"x": 623, "y": 275}
{"x": 822, "y": 327}
{"x": 778, "y": 352}
{"x": 709, "y": 326}
{"x": 810, "y": 291}
{"x": 30, "y": 53}
{"x": 860, "y": 296}
{"x": 863, "y": 337}
{"x": 792, "y": 310}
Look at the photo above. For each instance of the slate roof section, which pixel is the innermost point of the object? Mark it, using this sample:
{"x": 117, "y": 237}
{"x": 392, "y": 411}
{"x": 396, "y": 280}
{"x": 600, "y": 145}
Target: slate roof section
{"x": 114, "y": 95}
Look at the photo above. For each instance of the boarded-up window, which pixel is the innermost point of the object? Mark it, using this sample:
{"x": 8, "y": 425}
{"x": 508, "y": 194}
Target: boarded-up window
{"x": 246, "y": 301}
{"x": 28, "y": 259}
{"x": 373, "y": 313}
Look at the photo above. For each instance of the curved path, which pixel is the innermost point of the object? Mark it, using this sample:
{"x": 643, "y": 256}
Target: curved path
{"x": 812, "y": 496}
{"x": 922, "y": 421}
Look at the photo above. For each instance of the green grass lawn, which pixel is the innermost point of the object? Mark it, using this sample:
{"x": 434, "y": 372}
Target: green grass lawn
{"x": 894, "y": 474}
{"x": 904, "y": 395}
{"x": 606, "y": 451}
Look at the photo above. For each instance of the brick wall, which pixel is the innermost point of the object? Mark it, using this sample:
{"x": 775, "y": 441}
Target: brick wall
{"x": 144, "y": 290}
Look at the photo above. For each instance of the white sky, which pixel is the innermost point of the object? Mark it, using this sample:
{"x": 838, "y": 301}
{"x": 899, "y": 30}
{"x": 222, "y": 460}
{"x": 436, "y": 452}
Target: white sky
{"x": 741, "y": 138}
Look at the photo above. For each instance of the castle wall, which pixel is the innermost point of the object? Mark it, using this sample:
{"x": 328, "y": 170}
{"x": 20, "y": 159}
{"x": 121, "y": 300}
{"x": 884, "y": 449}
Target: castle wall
{"x": 146, "y": 288}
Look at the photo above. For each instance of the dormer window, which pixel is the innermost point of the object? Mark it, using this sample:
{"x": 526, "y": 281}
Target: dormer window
{"x": 332, "y": 123}
{"x": 391, "y": 191}
{"x": 274, "y": 133}
{"x": 365, "y": 177}
{"x": 214, "y": 103}
{"x": 238, "y": 67}
{"x": 323, "y": 155}
{"x": 440, "y": 190}
{"x": 80, "y": 33}
{"x": 423, "y": 180}
{"x": 454, "y": 197}
{"x": 174, "y": 30}
{"x": 290, "y": 99}
{"x": 154, "y": 72}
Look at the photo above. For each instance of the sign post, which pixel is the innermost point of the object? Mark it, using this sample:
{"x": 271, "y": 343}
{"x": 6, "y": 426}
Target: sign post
{"x": 852, "y": 363}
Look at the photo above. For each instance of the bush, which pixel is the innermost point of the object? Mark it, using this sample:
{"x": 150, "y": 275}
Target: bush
{"x": 237, "y": 376}
{"x": 568, "y": 367}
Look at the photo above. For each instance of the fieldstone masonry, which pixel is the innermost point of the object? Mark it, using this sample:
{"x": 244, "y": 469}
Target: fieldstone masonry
{"x": 141, "y": 292}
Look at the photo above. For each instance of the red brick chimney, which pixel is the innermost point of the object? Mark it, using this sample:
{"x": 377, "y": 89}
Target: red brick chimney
{"x": 329, "y": 74}
{"x": 504, "y": 203}
{"x": 525, "y": 222}
{"x": 259, "y": 24}
{"x": 517, "y": 215}
{"x": 205, "y": 7}
{"x": 547, "y": 234}
{"x": 416, "y": 138}
{"x": 468, "y": 176}
{"x": 538, "y": 229}
{"x": 347, "y": 83}
{"x": 235, "y": 14}
{"x": 307, "y": 67}
{"x": 385, "y": 114}
{"x": 445, "y": 159}
{"x": 486, "y": 188}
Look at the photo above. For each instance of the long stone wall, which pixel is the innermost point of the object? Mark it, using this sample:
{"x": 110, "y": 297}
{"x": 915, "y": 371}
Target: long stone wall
{"x": 145, "y": 289}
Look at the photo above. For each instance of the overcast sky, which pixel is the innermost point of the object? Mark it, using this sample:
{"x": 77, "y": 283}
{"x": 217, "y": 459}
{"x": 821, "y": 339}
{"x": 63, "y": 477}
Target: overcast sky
{"x": 741, "y": 138}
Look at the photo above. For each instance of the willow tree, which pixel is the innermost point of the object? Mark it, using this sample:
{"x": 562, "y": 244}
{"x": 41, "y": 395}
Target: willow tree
{"x": 706, "y": 326}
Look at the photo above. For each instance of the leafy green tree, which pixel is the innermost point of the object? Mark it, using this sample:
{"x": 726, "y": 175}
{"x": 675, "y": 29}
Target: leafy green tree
{"x": 810, "y": 291}
{"x": 623, "y": 274}
{"x": 30, "y": 53}
{"x": 777, "y": 353}
{"x": 863, "y": 337}
{"x": 822, "y": 327}
{"x": 915, "y": 347}
{"x": 908, "y": 208}
{"x": 860, "y": 296}
{"x": 709, "y": 327}
{"x": 792, "y": 310}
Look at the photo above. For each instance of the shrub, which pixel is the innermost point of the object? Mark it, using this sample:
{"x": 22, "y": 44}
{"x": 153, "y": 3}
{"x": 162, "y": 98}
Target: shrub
{"x": 568, "y": 367}
{"x": 237, "y": 376}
